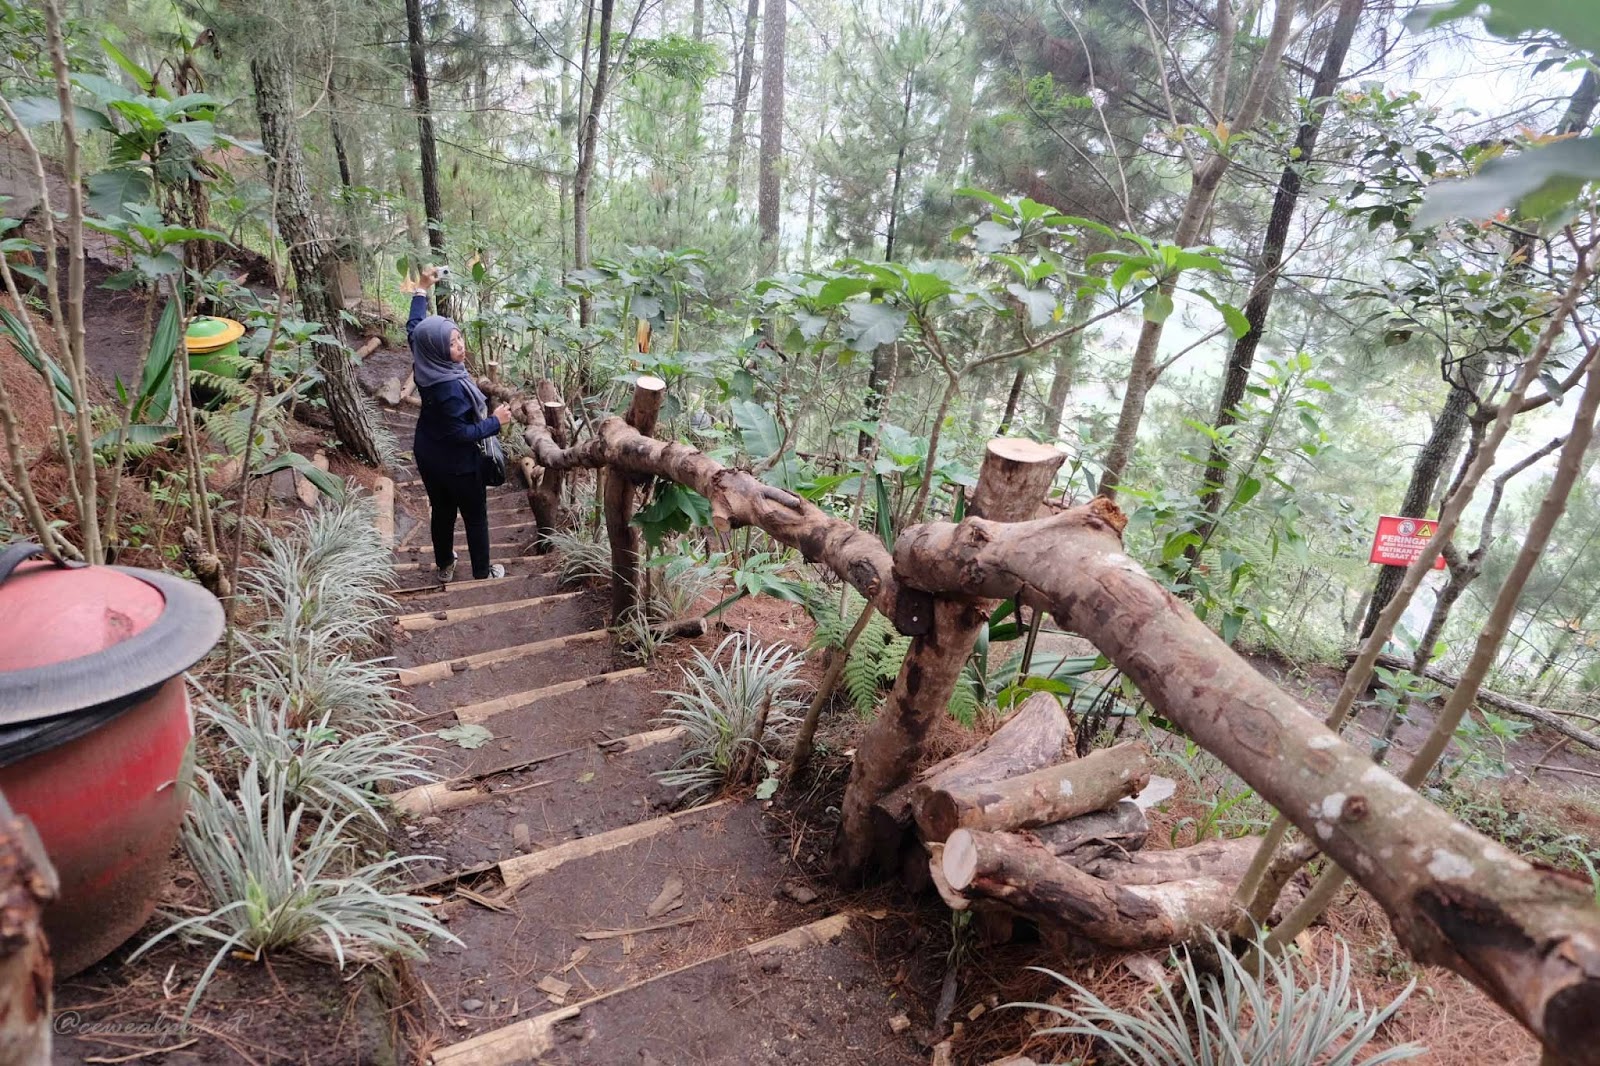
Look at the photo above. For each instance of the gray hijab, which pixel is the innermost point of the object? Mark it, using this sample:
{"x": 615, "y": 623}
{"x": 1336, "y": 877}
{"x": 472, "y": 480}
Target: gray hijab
{"x": 431, "y": 362}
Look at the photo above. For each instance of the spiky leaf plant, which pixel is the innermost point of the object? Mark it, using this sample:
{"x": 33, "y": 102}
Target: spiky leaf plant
{"x": 277, "y": 884}
{"x": 720, "y": 705}
{"x": 580, "y": 557}
{"x": 1286, "y": 1012}
{"x": 329, "y": 772}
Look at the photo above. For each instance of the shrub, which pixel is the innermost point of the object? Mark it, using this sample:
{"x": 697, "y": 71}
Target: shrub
{"x": 275, "y": 887}
{"x": 721, "y": 705}
{"x": 1286, "y": 1013}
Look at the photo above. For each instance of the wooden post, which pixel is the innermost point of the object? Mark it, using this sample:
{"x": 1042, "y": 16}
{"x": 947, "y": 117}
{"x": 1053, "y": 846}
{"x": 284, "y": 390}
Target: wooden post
{"x": 545, "y": 497}
{"x": 648, "y": 393}
{"x": 1015, "y": 478}
{"x": 27, "y": 883}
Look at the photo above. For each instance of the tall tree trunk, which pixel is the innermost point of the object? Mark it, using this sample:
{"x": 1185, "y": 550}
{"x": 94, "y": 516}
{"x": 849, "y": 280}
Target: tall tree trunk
{"x": 699, "y": 30}
{"x": 744, "y": 75}
{"x": 309, "y": 254}
{"x": 770, "y": 186}
{"x": 427, "y": 149}
{"x": 1236, "y": 375}
{"x": 1441, "y": 444}
{"x": 883, "y": 356}
{"x": 588, "y": 139}
{"x": 1013, "y": 398}
{"x": 1208, "y": 175}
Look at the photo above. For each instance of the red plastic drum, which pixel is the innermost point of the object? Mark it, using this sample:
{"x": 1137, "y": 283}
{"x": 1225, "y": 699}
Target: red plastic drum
{"x": 95, "y": 736}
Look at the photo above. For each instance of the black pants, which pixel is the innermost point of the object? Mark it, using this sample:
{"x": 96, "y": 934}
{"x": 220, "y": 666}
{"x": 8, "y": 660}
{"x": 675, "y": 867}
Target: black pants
{"x": 448, "y": 495}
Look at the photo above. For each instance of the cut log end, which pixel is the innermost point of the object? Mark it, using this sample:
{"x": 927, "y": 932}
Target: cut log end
{"x": 650, "y": 383}
{"x": 1023, "y": 450}
{"x": 960, "y": 860}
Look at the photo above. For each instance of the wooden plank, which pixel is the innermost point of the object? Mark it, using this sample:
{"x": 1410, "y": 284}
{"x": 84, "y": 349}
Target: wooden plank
{"x": 533, "y": 1038}
{"x": 425, "y": 620}
{"x": 480, "y": 712}
{"x": 519, "y": 870}
{"x": 440, "y": 671}
{"x": 383, "y": 496}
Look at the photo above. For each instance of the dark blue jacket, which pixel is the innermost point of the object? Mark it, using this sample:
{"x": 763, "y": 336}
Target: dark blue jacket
{"x": 449, "y": 429}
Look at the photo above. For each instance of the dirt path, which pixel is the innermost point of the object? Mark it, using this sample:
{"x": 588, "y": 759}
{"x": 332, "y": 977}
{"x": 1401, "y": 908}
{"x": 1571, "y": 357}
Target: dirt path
{"x": 598, "y": 923}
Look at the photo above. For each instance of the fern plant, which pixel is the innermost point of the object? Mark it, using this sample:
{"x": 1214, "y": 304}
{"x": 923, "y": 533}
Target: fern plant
{"x": 1284, "y": 1012}
{"x": 724, "y": 698}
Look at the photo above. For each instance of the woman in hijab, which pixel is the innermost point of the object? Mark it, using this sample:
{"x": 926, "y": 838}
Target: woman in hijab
{"x": 455, "y": 417}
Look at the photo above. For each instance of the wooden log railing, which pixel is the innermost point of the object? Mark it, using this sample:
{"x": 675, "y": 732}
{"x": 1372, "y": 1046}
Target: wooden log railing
{"x": 1529, "y": 936}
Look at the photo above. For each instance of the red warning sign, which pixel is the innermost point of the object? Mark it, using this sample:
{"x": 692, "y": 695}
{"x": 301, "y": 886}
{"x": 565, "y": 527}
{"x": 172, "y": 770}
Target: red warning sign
{"x": 1400, "y": 540}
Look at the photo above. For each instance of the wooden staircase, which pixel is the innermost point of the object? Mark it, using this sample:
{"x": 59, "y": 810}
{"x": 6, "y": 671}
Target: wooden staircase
{"x": 598, "y": 924}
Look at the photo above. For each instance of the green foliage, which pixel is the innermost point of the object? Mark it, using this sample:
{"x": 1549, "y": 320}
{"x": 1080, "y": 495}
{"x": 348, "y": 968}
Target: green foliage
{"x": 273, "y": 885}
{"x": 874, "y": 662}
{"x": 724, "y": 696}
{"x": 1286, "y": 1010}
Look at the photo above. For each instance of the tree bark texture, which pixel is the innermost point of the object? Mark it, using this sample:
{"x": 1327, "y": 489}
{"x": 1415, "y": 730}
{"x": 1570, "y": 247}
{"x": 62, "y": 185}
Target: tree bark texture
{"x": 427, "y": 147}
{"x": 1014, "y": 479}
{"x": 739, "y": 499}
{"x": 1144, "y": 370}
{"x": 769, "y": 192}
{"x": 27, "y": 883}
{"x": 743, "y": 78}
{"x": 309, "y": 253}
{"x": 1039, "y": 734}
{"x": 1093, "y": 783}
{"x": 1115, "y": 831}
{"x": 619, "y": 501}
{"x": 1530, "y": 937}
{"x": 546, "y": 497}
{"x": 1026, "y": 877}
{"x": 1236, "y": 375}
{"x": 588, "y": 140}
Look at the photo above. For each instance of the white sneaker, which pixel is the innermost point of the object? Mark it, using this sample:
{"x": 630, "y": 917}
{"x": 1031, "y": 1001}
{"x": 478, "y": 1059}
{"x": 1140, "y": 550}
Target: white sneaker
{"x": 447, "y": 574}
{"x": 496, "y": 570}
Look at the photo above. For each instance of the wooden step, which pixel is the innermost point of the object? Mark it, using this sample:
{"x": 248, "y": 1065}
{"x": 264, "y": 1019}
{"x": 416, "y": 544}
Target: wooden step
{"x": 596, "y": 895}
{"x": 563, "y": 795}
{"x": 572, "y": 613}
{"x": 422, "y": 621}
{"x": 591, "y": 714}
{"x": 808, "y": 994}
{"x": 480, "y": 712}
{"x": 424, "y": 593}
{"x": 439, "y": 671}
{"x": 549, "y": 666}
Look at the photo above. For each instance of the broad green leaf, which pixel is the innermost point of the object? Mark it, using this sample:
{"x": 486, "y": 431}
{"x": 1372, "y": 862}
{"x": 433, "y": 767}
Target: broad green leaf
{"x": 42, "y": 110}
{"x": 993, "y": 200}
{"x": 1540, "y": 182}
{"x": 1157, "y": 306}
{"x": 325, "y": 482}
{"x": 110, "y": 189}
{"x": 758, "y": 429}
{"x": 869, "y": 325}
{"x": 992, "y": 236}
{"x": 155, "y": 387}
{"x": 143, "y": 434}
{"x": 141, "y": 77}
{"x": 1574, "y": 20}
{"x": 1246, "y": 491}
{"x": 39, "y": 360}
{"x": 1041, "y": 304}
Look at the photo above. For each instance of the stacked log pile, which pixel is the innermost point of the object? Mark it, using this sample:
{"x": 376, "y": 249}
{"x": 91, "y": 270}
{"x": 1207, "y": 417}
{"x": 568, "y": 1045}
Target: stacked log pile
{"x": 1019, "y": 827}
